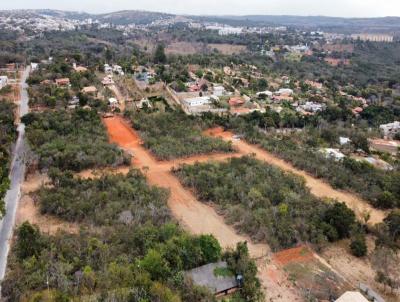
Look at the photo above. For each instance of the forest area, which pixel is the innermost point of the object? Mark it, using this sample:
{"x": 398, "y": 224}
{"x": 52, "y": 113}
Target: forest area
{"x": 71, "y": 140}
{"x": 129, "y": 248}
{"x": 8, "y": 135}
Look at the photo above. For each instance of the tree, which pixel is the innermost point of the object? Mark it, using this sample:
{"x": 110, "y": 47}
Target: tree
{"x": 29, "y": 241}
{"x": 393, "y": 224}
{"x": 159, "y": 55}
{"x": 341, "y": 218}
{"x": 358, "y": 246}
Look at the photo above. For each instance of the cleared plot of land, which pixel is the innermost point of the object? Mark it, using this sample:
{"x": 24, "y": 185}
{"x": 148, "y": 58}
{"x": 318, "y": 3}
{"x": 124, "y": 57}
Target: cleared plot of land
{"x": 316, "y": 279}
{"x": 175, "y": 135}
{"x": 317, "y": 186}
{"x": 28, "y": 209}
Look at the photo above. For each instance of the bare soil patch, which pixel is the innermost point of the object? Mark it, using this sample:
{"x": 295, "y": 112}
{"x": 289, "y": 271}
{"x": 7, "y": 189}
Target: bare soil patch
{"x": 29, "y": 211}
{"x": 228, "y": 49}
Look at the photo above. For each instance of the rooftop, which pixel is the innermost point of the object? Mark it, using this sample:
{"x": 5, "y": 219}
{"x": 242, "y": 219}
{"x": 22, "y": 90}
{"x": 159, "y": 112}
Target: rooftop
{"x": 206, "y": 276}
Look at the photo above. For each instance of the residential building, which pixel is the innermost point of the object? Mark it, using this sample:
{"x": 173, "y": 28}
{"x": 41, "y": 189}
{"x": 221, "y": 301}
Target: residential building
{"x": 332, "y": 153}
{"x": 344, "y": 140}
{"x": 219, "y": 90}
{"x": 118, "y": 70}
{"x": 63, "y": 82}
{"x": 384, "y": 145}
{"x": 373, "y": 37}
{"x": 107, "y": 68}
{"x": 198, "y": 101}
{"x": 236, "y": 101}
{"x": 34, "y": 66}
{"x": 266, "y": 93}
{"x": 89, "y": 90}
{"x": 284, "y": 92}
{"x": 391, "y": 129}
{"x": 219, "y": 285}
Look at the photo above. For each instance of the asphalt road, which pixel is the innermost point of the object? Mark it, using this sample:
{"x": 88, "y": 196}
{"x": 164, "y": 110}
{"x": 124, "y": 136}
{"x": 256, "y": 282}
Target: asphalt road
{"x": 17, "y": 173}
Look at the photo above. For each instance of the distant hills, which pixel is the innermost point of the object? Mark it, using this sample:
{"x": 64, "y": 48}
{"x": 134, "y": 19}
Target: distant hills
{"x": 386, "y": 24}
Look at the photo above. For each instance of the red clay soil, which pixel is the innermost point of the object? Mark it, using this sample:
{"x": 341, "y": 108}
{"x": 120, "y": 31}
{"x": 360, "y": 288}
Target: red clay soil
{"x": 297, "y": 254}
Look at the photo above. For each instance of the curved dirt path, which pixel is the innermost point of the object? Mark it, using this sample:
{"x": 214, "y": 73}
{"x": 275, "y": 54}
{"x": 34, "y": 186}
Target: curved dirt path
{"x": 198, "y": 217}
{"x": 318, "y": 187}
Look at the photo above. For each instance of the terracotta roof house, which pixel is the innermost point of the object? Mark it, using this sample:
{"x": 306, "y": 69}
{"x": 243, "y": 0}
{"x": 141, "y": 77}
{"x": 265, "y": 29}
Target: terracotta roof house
{"x": 62, "y": 82}
{"x": 89, "y": 90}
{"x": 236, "y": 101}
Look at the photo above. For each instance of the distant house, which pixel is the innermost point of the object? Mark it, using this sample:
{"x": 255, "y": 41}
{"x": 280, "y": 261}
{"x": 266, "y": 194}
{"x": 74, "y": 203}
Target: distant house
{"x": 34, "y": 66}
{"x": 79, "y": 68}
{"x": 107, "y": 68}
{"x": 219, "y": 90}
{"x": 63, "y": 82}
{"x": 284, "y": 92}
{"x": 118, "y": 69}
{"x": 198, "y": 101}
{"x": 333, "y": 153}
{"x": 218, "y": 283}
{"x": 3, "y": 81}
{"x": 266, "y": 93}
{"x": 391, "y": 129}
{"x": 236, "y": 101}
{"x": 74, "y": 101}
{"x": 352, "y": 297}
{"x": 89, "y": 90}
{"x": 108, "y": 80}
{"x": 384, "y": 145}
{"x": 113, "y": 102}
{"x": 344, "y": 140}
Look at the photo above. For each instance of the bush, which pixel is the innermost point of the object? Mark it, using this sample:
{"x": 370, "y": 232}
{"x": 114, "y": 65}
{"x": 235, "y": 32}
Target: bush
{"x": 358, "y": 246}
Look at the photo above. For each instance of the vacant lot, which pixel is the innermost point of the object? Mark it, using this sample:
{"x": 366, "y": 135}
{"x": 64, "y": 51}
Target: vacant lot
{"x": 175, "y": 135}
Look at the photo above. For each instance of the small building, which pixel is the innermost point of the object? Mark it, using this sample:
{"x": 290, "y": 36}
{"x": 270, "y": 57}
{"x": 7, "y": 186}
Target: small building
{"x": 284, "y": 92}
{"x": 118, "y": 70}
{"x": 74, "y": 101}
{"x": 107, "y": 68}
{"x": 113, "y": 102}
{"x": 198, "y": 101}
{"x": 79, "y": 68}
{"x": 344, "y": 140}
{"x": 352, "y": 297}
{"x": 219, "y": 90}
{"x": 63, "y": 82}
{"x": 34, "y": 66}
{"x": 384, "y": 145}
{"x": 333, "y": 153}
{"x": 236, "y": 101}
{"x": 108, "y": 80}
{"x": 391, "y": 129}
{"x": 89, "y": 90}
{"x": 3, "y": 81}
{"x": 219, "y": 284}
{"x": 266, "y": 93}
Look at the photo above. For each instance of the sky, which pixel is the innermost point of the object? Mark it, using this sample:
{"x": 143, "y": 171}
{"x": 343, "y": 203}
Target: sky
{"x": 337, "y": 8}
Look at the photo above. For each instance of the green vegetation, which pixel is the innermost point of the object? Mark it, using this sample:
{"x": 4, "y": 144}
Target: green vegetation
{"x": 136, "y": 252}
{"x": 173, "y": 135}
{"x": 73, "y": 140}
{"x": 7, "y": 137}
{"x": 377, "y": 186}
{"x": 267, "y": 203}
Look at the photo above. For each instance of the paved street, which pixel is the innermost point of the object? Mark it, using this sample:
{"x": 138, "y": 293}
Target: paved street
{"x": 16, "y": 176}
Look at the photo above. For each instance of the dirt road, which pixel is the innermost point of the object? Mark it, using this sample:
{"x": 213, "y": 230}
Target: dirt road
{"x": 197, "y": 217}
{"x": 318, "y": 187}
